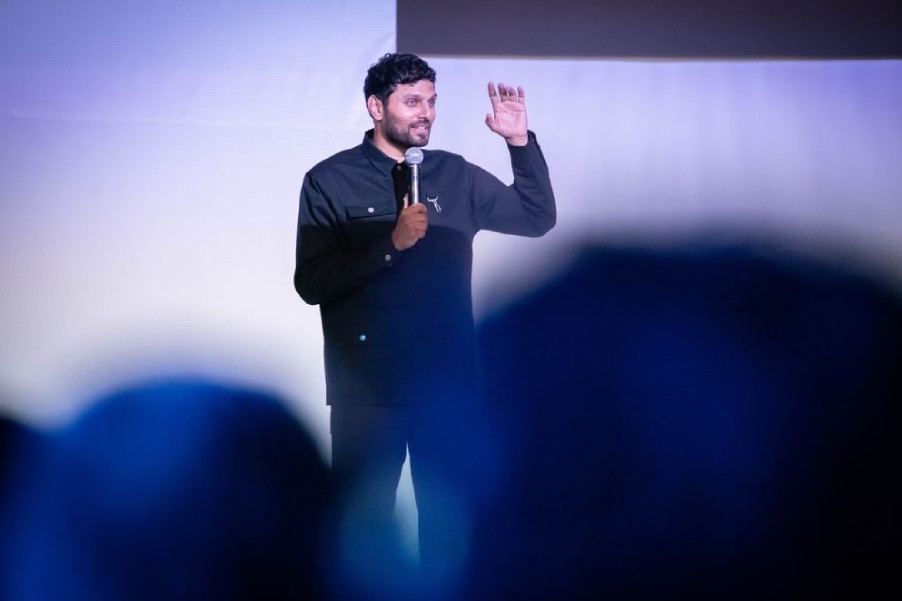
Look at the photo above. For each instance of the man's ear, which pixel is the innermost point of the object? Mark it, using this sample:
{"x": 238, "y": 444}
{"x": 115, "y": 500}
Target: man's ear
{"x": 375, "y": 107}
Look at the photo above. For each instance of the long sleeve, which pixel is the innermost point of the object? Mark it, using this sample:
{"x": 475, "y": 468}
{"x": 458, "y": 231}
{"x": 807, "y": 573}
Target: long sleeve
{"x": 526, "y": 207}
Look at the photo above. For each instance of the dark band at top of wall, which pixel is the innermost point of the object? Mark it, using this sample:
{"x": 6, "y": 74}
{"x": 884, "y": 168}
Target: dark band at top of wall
{"x": 738, "y": 29}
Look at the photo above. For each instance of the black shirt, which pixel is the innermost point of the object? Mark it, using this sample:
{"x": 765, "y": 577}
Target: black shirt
{"x": 380, "y": 306}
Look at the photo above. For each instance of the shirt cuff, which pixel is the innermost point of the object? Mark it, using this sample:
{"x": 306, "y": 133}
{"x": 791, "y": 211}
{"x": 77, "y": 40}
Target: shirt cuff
{"x": 531, "y": 142}
{"x": 387, "y": 254}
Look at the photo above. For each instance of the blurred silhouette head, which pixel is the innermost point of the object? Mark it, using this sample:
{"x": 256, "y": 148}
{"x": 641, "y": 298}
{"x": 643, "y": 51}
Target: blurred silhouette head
{"x": 707, "y": 423}
{"x": 176, "y": 490}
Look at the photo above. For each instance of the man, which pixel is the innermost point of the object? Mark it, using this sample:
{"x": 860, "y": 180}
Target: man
{"x": 393, "y": 283}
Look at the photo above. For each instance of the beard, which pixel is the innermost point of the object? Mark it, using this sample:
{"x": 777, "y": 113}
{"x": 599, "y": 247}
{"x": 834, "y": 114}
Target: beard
{"x": 401, "y": 134}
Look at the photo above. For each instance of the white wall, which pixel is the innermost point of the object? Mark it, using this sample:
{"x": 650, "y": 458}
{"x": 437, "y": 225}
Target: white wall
{"x": 151, "y": 160}
{"x": 806, "y": 155}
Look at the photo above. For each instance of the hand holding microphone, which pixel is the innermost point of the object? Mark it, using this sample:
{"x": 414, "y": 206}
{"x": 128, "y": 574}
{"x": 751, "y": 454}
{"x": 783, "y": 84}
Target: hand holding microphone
{"x": 413, "y": 221}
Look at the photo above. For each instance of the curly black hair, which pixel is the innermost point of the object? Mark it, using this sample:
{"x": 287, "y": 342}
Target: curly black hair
{"x": 392, "y": 69}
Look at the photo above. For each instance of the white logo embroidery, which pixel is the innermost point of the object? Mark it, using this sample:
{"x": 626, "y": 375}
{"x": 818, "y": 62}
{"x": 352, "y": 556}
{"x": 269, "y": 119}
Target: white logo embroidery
{"x": 434, "y": 201}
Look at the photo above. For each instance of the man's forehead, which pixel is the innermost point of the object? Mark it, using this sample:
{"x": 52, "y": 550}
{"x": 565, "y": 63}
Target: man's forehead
{"x": 423, "y": 87}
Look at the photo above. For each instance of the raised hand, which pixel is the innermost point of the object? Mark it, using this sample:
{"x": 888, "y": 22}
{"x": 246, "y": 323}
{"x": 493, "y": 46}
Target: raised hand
{"x": 508, "y": 117}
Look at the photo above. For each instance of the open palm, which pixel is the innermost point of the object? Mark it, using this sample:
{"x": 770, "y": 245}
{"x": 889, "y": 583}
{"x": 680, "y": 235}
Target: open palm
{"x": 508, "y": 117}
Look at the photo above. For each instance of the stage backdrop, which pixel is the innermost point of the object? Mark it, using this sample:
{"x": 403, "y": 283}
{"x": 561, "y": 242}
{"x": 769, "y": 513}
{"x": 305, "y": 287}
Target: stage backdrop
{"x": 151, "y": 155}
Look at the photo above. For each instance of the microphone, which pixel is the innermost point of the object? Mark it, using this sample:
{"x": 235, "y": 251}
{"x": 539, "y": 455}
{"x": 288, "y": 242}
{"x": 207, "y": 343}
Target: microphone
{"x": 413, "y": 157}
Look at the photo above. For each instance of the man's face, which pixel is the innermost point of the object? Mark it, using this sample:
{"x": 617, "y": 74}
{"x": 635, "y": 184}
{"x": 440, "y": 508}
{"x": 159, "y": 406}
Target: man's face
{"x": 409, "y": 113}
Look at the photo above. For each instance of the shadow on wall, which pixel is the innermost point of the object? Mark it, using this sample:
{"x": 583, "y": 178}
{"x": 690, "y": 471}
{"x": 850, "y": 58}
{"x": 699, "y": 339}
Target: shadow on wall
{"x": 173, "y": 490}
{"x": 702, "y": 423}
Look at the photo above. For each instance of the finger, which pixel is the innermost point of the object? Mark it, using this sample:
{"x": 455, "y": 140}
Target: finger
{"x": 493, "y": 94}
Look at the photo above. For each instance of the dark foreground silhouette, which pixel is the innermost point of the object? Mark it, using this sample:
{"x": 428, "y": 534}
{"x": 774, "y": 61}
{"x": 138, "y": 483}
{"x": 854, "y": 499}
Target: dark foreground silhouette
{"x": 707, "y": 423}
{"x": 177, "y": 490}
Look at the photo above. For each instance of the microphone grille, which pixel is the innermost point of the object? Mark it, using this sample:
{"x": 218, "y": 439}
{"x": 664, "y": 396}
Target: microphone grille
{"x": 413, "y": 156}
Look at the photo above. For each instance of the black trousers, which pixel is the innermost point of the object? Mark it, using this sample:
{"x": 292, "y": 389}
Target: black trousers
{"x": 446, "y": 443}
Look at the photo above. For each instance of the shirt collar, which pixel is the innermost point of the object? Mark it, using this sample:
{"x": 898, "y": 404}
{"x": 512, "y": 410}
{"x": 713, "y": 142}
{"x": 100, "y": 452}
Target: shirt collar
{"x": 379, "y": 159}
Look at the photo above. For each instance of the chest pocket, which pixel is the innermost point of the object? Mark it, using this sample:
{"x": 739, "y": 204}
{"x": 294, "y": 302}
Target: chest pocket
{"x": 375, "y": 212}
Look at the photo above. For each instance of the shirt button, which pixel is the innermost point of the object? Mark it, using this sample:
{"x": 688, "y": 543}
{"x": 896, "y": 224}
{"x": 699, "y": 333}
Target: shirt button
{"x": 370, "y": 210}
{"x": 388, "y": 257}
{"x": 362, "y": 338}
